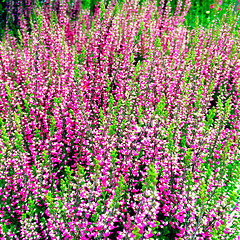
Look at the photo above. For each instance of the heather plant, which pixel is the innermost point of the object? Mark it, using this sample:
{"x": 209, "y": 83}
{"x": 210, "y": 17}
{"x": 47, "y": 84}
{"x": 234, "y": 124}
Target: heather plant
{"x": 121, "y": 125}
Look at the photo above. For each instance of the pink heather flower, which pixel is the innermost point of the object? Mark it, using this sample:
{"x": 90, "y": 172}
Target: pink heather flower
{"x": 217, "y": 225}
{"x": 149, "y": 235}
{"x": 220, "y": 2}
{"x": 129, "y": 222}
{"x": 212, "y": 6}
{"x": 220, "y": 9}
{"x": 99, "y": 227}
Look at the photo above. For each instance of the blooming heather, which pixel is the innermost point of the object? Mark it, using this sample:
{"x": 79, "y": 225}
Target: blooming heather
{"x": 120, "y": 126}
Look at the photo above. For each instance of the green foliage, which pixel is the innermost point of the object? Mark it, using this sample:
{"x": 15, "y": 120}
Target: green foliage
{"x": 137, "y": 38}
{"x": 210, "y": 118}
{"x": 201, "y": 13}
{"x": 119, "y": 191}
{"x": 160, "y": 107}
{"x": 136, "y": 233}
{"x": 85, "y": 4}
{"x": 103, "y": 11}
{"x": 151, "y": 179}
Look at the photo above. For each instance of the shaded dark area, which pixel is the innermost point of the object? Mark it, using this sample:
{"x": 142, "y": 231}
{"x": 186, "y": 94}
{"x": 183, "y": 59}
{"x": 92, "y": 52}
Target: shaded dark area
{"x": 119, "y": 226}
{"x": 10, "y": 12}
{"x": 114, "y": 233}
{"x": 215, "y": 98}
{"x": 3, "y": 17}
{"x": 168, "y": 231}
{"x": 138, "y": 58}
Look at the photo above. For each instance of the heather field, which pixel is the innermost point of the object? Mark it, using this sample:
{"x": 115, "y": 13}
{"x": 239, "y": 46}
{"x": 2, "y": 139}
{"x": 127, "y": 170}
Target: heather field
{"x": 124, "y": 124}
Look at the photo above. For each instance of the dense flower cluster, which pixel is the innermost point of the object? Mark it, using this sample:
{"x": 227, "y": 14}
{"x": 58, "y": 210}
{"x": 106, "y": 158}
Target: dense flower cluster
{"x": 121, "y": 126}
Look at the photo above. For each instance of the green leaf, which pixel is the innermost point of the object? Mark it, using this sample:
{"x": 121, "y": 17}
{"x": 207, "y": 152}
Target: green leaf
{"x": 34, "y": 169}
